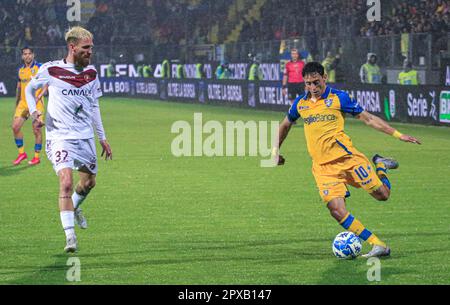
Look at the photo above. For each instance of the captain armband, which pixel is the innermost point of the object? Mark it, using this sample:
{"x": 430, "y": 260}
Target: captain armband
{"x": 397, "y": 134}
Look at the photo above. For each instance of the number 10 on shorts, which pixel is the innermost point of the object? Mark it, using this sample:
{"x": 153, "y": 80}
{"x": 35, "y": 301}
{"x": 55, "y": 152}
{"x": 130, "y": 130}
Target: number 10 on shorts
{"x": 361, "y": 172}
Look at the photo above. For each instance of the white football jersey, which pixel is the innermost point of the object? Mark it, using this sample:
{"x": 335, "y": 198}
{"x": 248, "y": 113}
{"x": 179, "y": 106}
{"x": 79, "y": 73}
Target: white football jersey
{"x": 73, "y": 95}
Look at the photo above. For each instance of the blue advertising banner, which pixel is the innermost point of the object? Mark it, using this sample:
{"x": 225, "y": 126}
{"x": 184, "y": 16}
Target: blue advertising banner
{"x": 410, "y": 104}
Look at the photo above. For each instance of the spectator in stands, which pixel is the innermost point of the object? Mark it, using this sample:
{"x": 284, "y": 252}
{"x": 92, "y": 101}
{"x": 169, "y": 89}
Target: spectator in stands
{"x": 165, "y": 69}
{"x": 330, "y": 64}
{"x": 408, "y": 76}
{"x": 415, "y": 16}
{"x": 111, "y": 68}
{"x": 255, "y": 72}
{"x": 370, "y": 72}
{"x": 28, "y": 37}
{"x": 223, "y": 71}
{"x": 199, "y": 70}
{"x": 54, "y": 34}
{"x": 180, "y": 72}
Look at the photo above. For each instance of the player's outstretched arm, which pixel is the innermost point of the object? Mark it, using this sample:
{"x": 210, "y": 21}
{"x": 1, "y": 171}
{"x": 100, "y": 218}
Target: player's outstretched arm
{"x": 98, "y": 125}
{"x": 18, "y": 93}
{"x": 43, "y": 92}
{"x": 31, "y": 102}
{"x": 106, "y": 149}
{"x": 381, "y": 125}
{"x": 284, "y": 84}
{"x": 283, "y": 132}
{"x": 41, "y": 79}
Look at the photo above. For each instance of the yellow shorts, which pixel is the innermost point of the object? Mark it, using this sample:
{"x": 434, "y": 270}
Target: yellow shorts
{"x": 22, "y": 109}
{"x": 356, "y": 170}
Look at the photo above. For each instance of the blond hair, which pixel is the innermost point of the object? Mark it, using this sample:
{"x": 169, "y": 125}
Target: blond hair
{"x": 77, "y": 33}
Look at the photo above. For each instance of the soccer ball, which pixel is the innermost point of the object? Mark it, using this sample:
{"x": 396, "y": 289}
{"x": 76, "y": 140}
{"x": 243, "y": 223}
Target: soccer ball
{"x": 346, "y": 245}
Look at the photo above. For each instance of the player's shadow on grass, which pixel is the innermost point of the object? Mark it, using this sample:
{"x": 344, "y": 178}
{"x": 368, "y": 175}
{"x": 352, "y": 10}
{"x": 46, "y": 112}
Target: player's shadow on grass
{"x": 354, "y": 272}
{"x": 275, "y": 251}
{"x": 256, "y": 251}
{"x": 420, "y": 234}
{"x": 47, "y": 275}
{"x": 210, "y": 245}
{"x": 11, "y": 170}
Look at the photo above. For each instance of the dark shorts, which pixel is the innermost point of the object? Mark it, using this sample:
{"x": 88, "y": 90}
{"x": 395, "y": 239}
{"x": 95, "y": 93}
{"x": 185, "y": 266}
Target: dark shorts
{"x": 295, "y": 89}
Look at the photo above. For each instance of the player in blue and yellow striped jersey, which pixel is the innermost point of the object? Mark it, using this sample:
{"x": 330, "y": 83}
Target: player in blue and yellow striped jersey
{"x": 29, "y": 69}
{"x": 336, "y": 162}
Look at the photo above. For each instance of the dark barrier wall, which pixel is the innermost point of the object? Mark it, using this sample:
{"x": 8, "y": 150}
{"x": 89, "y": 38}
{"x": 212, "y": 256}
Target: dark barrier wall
{"x": 412, "y": 104}
{"x": 8, "y": 86}
{"x": 428, "y": 105}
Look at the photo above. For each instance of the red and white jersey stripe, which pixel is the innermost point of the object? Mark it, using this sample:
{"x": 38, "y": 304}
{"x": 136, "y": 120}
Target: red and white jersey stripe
{"x": 73, "y": 97}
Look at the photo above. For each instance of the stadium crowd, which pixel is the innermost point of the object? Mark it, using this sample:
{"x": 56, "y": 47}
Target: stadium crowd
{"x": 287, "y": 19}
{"x": 164, "y": 26}
{"x": 42, "y": 22}
{"x": 293, "y": 19}
{"x": 431, "y": 16}
{"x": 26, "y": 22}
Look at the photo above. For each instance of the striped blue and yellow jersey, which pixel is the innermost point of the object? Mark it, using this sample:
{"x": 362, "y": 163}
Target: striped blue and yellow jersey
{"x": 324, "y": 123}
{"x": 24, "y": 76}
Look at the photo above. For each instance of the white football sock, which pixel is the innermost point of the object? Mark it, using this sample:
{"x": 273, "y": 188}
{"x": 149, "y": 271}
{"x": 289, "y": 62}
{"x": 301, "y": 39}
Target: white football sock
{"x": 77, "y": 199}
{"x": 68, "y": 222}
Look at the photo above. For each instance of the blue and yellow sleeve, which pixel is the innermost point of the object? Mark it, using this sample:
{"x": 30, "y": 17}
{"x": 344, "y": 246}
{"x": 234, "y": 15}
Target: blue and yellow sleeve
{"x": 18, "y": 74}
{"x": 349, "y": 104}
{"x": 293, "y": 114}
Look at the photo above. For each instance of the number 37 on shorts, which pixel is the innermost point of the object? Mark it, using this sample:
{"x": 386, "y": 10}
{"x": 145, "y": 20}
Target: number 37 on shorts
{"x": 73, "y": 154}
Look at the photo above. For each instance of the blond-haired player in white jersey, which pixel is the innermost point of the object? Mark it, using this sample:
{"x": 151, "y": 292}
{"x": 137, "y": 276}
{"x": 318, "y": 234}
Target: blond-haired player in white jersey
{"x": 73, "y": 114}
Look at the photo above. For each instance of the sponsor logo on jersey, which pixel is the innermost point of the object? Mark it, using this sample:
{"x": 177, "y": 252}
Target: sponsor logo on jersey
{"x": 319, "y": 118}
{"x": 66, "y": 77}
{"x": 76, "y": 92}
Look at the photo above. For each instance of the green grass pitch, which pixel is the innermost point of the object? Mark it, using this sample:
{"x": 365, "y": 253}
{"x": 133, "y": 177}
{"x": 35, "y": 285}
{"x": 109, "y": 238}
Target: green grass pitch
{"x": 157, "y": 219}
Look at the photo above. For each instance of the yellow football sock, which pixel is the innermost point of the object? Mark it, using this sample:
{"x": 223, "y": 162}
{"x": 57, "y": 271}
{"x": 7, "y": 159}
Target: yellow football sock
{"x": 381, "y": 169}
{"x": 374, "y": 240}
{"x": 21, "y": 150}
{"x": 382, "y": 174}
{"x": 354, "y": 225}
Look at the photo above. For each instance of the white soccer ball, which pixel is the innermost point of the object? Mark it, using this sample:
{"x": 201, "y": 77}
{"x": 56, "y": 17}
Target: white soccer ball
{"x": 346, "y": 245}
